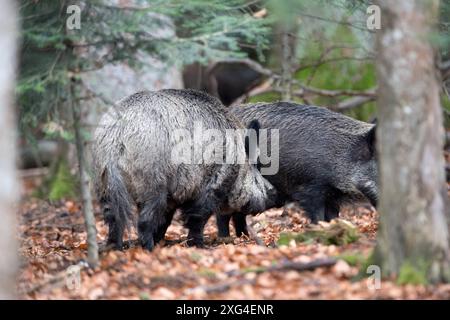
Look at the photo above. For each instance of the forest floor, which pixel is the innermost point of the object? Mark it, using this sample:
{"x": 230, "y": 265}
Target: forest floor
{"x": 52, "y": 239}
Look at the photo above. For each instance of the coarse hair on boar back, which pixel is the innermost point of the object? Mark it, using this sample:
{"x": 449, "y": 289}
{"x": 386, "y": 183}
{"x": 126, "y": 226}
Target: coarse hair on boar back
{"x": 134, "y": 166}
{"x": 325, "y": 158}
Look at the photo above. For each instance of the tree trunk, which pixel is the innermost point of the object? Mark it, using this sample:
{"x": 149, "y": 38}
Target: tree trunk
{"x": 86, "y": 196}
{"x": 8, "y": 187}
{"x": 413, "y": 238}
{"x": 288, "y": 57}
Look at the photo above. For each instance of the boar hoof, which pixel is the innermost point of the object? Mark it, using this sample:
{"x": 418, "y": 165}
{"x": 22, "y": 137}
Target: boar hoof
{"x": 225, "y": 240}
{"x": 195, "y": 242}
{"x": 148, "y": 244}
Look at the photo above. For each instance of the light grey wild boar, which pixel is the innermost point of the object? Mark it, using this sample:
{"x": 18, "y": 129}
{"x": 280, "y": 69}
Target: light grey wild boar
{"x": 325, "y": 159}
{"x": 134, "y": 163}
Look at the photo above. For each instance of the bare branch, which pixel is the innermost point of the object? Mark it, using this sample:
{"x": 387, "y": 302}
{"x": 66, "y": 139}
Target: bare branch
{"x": 352, "y": 103}
{"x": 345, "y": 23}
{"x": 251, "y": 63}
{"x": 324, "y": 61}
{"x": 334, "y": 93}
{"x": 263, "y": 88}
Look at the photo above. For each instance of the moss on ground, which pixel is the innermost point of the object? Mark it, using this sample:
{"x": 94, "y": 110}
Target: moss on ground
{"x": 60, "y": 184}
{"x": 338, "y": 232}
{"x": 413, "y": 273}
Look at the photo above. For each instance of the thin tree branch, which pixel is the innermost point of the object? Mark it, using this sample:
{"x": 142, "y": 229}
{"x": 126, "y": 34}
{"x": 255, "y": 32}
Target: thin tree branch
{"x": 345, "y": 23}
{"x": 324, "y": 61}
{"x": 334, "y": 93}
{"x": 249, "y": 62}
{"x": 352, "y": 103}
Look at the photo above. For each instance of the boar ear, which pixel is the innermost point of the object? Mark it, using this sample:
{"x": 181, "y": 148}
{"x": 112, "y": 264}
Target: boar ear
{"x": 255, "y": 125}
{"x": 252, "y": 146}
{"x": 371, "y": 139}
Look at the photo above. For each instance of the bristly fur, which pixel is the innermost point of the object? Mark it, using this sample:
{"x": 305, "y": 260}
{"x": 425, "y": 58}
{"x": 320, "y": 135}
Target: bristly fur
{"x": 326, "y": 158}
{"x": 132, "y": 157}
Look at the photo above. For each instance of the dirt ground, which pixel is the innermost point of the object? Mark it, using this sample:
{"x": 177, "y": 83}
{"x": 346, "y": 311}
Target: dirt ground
{"x": 52, "y": 239}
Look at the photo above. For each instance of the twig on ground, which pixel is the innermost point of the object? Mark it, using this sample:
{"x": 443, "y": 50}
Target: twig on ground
{"x": 57, "y": 278}
{"x": 290, "y": 265}
{"x": 297, "y": 266}
{"x": 222, "y": 287}
{"x": 252, "y": 233}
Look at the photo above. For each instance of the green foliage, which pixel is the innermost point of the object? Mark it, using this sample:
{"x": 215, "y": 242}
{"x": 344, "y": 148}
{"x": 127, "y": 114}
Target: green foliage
{"x": 356, "y": 259}
{"x": 195, "y": 256}
{"x": 338, "y": 232}
{"x": 174, "y": 31}
{"x": 364, "y": 265}
{"x": 413, "y": 274}
{"x": 443, "y": 36}
{"x": 264, "y": 97}
{"x": 337, "y": 63}
{"x": 286, "y": 238}
{"x": 63, "y": 184}
{"x": 144, "y": 296}
{"x": 334, "y": 50}
{"x": 353, "y": 258}
{"x": 446, "y": 106}
{"x": 331, "y": 32}
{"x": 409, "y": 273}
{"x": 206, "y": 272}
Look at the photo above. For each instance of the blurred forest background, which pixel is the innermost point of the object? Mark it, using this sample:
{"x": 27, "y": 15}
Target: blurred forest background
{"x": 70, "y": 71}
{"x": 313, "y": 52}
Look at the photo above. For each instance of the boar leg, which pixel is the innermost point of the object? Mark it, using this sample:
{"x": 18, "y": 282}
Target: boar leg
{"x": 115, "y": 228}
{"x": 196, "y": 214}
{"x": 331, "y": 210}
{"x": 240, "y": 224}
{"x": 311, "y": 198}
{"x": 196, "y": 225}
{"x": 161, "y": 231}
{"x": 223, "y": 225}
{"x": 151, "y": 218}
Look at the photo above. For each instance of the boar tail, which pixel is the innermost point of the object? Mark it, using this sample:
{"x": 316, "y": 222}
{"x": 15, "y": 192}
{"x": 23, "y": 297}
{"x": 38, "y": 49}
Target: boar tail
{"x": 116, "y": 199}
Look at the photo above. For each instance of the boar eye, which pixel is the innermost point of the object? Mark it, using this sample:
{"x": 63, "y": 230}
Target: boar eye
{"x": 363, "y": 154}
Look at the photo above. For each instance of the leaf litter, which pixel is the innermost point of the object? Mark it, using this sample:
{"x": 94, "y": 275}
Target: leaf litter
{"x": 297, "y": 260}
